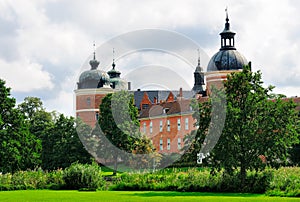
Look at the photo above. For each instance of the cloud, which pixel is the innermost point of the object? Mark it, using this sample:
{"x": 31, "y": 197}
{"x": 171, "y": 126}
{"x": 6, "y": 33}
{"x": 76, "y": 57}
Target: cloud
{"x": 25, "y": 76}
{"x": 43, "y": 43}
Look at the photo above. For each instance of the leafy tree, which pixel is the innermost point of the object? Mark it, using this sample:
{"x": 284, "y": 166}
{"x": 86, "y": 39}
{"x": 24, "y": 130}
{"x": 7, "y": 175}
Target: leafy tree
{"x": 38, "y": 118}
{"x": 119, "y": 125}
{"x": 193, "y": 141}
{"x": 19, "y": 149}
{"x": 255, "y": 125}
{"x": 62, "y": 146}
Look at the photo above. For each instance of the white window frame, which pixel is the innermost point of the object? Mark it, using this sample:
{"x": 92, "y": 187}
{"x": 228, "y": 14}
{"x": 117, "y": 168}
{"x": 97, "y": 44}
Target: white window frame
{"x": 168, "y": 144}
{"x": 151, "y": 127}
{"x": 161, "y": 146}
{"x": 178, "y": 124}
{"x": 168, "y": 125}
{"x": 186, "y": 123}
{"x": 179, "y": 143}
{"x": 160, "y": 126}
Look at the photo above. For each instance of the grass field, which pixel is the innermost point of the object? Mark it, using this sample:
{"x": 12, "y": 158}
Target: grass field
{"x": 48, "y": 196}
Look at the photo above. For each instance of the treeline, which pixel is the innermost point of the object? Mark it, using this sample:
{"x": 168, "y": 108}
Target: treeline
{"x": 31, "y": 137}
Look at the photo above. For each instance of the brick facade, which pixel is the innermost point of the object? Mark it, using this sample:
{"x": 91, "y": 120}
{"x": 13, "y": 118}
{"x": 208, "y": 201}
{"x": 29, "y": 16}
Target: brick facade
{"x": 87, "y": 104}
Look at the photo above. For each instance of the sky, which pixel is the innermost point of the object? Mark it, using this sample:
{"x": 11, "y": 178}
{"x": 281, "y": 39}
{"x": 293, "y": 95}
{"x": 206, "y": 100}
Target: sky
{"x": 46, "y": 44}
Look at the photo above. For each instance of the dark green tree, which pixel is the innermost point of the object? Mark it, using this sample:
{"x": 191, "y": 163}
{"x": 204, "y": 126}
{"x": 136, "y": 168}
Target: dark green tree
{"x": 120, "y": 127}
{"x": 256, "y": 124}
{"x": 38, "y": 118}
{"x": 62, "y": 146}
{"x": 193, "y": 141}
{"x": 19, "y": 149}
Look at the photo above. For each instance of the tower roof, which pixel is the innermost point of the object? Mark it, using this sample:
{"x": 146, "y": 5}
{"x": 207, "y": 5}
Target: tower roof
{"x": 228, "y": 58}
{"x": 93, "y": 78}
{"x": 94, "y": 63}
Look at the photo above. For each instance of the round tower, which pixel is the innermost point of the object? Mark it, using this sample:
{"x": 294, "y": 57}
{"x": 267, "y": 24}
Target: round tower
{"x": 224, "y": 62}
{"x": 93, "y": 86}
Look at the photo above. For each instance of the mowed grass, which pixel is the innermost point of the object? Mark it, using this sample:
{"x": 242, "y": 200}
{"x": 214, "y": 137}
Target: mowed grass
{"x": 48, "y": 195}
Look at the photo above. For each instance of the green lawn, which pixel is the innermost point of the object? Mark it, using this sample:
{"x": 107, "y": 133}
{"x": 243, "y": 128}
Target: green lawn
{"x": 47, "y": 195}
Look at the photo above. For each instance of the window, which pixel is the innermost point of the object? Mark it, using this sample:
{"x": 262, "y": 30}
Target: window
{"x": 160, "y": 144}
{"x": 160, "y": 125}
{"x": 88, "y": 101}
{"x": 168, "y": 144}
{"x": 178, "y": 124}
{"x": 97, "y": 115}
{"x": 151, "y": 127}
{"x": 168, "y": 126}
{"x": 186, "y": 123}
{"x": 166, "y": 110}
{"x": 145, "y": 106}
{"x": 144, "y": 127}
{"x": 179, "y": 143}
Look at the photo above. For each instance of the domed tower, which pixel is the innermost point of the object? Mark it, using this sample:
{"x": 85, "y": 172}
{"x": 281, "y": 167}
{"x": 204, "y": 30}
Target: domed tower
{"x": 92, "y": 87}
{"x": 226, "y": 61}
{"x": 116, "y": 82}
{"x": 198, "y": 78}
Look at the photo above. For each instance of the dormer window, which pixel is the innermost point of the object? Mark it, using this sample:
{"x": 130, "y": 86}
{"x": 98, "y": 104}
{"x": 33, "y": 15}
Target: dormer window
{"x": 145, "y": 106}
{"x": 166, "y": 110}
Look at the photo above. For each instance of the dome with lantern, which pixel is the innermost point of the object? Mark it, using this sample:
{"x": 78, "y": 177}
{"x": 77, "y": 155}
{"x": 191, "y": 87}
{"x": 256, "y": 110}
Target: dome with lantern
{"x": 228, "y": 58}
{"x": 93, "y": 78}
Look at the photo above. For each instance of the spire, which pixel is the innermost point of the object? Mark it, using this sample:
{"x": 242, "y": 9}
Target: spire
{"x": 198, "y": 57}
{"x": 227, "y": 25}
{"x": 113, "y": 64}
{"x": 94, "y": 63}
{"x": 227, "y": 36}
{"x": 113, "y": 73}
{"x": 198, "y": 77}
{"x": 198, "y": 68}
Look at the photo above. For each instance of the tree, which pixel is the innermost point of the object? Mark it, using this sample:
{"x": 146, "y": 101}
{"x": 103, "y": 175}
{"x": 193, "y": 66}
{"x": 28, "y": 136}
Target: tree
{"x": 255, "y": 125}
{"x": 19, "y": 149}
{"x": 38, "y": 118}
{"x": 193, "y": 141}
{"x": 120, "y": 128}
{"x": 62, "y": 146}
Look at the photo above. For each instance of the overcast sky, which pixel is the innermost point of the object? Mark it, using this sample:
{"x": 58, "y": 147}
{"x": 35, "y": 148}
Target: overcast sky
{"x": 45, "y": 44}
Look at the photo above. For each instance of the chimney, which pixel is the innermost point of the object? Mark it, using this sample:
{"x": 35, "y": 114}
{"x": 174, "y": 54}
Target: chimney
{"x": 180, "y": 92}
{"x": 129, "y": 85}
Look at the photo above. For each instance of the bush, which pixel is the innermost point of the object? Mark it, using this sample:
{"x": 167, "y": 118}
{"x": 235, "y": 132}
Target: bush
{"x": 83, "y": 176}
{"x": 193, "y": 180}
{"x": 32, "y": 179}
{"x": 286, "y": 182}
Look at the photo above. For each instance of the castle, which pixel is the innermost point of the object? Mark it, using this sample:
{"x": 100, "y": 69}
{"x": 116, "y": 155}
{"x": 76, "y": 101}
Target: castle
{"x": 165, "y": 116}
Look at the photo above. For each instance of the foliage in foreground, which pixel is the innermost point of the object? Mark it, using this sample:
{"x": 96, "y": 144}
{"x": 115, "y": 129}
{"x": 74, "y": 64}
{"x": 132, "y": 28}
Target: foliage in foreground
{"x": 83, "y": 177}
{"x": 193, "y": 180}
{"x": 77, "y": 176}
{"x": 282, "y": 182}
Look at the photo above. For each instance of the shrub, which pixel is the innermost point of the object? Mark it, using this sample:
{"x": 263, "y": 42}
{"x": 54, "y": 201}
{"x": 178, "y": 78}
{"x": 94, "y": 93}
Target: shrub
{"x": 193, "y": 180}
{"x": 286, "y": 182}
{"x": 83, "y": 176}
{"x": 55, "y": 180}
{"x": 31, "y": 179}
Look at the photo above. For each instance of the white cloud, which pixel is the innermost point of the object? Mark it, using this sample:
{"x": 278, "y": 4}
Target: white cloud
{"x": 25, "y": 76}
{"x": 48, "y": 40}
